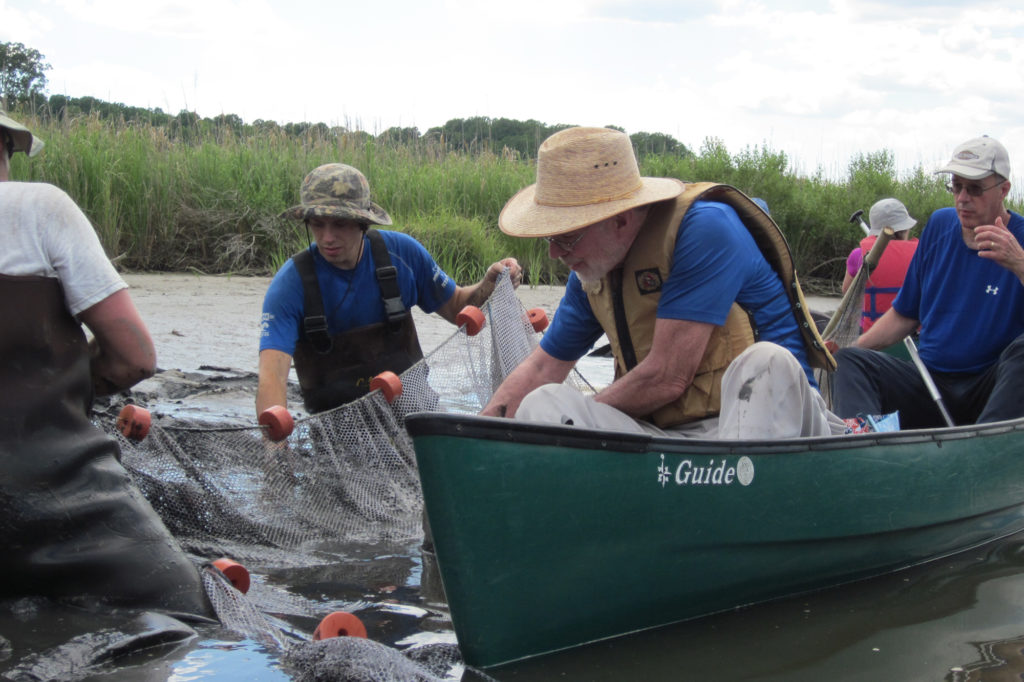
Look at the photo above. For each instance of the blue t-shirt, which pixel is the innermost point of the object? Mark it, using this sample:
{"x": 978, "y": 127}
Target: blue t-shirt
{"x": 352, "y": 298}
{"x": 969, "y": 307}
{"x": 715, "y": 263}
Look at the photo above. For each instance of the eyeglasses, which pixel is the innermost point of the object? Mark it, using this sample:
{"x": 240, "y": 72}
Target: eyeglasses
{"x": 972, "y": 190}
{"x": 563, "y": 244}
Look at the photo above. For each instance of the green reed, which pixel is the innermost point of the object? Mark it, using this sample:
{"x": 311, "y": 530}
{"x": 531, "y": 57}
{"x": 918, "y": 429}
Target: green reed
{"x": 209, "y": 200}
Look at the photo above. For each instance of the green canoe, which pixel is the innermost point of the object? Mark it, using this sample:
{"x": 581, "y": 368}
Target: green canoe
{"x": 549, "y": 537}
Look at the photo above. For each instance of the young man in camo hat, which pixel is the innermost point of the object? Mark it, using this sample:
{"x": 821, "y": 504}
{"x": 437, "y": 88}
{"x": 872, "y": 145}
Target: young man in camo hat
{"x": 341, "y": 308}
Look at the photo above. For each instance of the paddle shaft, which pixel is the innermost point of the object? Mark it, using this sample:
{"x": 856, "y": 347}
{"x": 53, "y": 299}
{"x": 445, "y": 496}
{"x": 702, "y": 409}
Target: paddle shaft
{"x": 927, "y": 378}
{"x": 856, "y": 291}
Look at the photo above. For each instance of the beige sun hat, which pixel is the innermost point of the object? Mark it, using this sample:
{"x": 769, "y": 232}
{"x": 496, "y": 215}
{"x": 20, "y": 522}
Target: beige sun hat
{"x": 584, "y": 175}
{"x": 889, "y": 213}
{"x": 24, "y": 140}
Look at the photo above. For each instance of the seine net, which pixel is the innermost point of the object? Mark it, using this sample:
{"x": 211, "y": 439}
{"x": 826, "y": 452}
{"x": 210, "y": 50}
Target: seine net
{"x": 344, "y": 475}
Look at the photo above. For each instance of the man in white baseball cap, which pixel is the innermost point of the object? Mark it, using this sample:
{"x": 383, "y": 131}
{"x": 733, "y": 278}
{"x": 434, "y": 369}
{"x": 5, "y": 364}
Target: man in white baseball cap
{"x": 964, "y": 290}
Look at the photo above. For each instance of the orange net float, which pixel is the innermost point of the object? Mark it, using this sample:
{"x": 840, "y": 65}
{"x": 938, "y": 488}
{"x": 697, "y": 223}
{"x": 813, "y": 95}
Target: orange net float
{"x": 233, "y": 571}
{"x": 472, "y": 318}
{"x": 279, "y": 422}
{"x": 538, "y": 319}
{"x": 133, "y": 422}
{"x": 389, "y": 384}
{"x": 339, "y": 624}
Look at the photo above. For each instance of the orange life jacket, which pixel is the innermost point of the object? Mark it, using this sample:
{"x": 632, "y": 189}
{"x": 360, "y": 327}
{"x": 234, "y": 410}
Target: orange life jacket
{"x": 885, "y": 280}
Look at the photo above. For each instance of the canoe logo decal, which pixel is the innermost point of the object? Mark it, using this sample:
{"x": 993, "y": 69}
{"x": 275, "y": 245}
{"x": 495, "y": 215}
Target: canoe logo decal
{"x": 707, "y": 472}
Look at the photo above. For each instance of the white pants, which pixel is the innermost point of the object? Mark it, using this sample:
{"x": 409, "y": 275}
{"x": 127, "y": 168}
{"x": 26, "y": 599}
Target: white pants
{"x": 765, "y": 395}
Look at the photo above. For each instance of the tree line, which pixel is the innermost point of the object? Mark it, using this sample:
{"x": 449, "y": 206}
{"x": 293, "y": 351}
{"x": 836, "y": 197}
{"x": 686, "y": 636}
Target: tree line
{"x": 23, "y": 86}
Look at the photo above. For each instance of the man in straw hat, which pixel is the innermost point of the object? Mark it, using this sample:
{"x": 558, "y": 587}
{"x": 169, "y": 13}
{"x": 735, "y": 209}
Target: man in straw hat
{"x": 886, "y": 278}
{"x": 341, "y": 308}
{"x": 964, "y": 290}
{"x": 681, "y": 278}
{"x": 74, "y": 525}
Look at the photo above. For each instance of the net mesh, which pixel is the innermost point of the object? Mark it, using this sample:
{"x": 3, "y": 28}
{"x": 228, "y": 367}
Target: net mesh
{"x": 349, "y": 473}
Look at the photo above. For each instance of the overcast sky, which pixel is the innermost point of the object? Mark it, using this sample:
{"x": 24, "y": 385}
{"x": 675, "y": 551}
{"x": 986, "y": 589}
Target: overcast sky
{"x": 817, "y": 80}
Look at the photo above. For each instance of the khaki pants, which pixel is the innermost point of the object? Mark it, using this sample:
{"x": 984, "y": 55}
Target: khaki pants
{"x": 765, "y": 395}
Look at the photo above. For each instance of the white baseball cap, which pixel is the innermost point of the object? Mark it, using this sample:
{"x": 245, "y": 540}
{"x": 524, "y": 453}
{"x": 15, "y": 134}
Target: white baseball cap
{"x": 978, "y": 158}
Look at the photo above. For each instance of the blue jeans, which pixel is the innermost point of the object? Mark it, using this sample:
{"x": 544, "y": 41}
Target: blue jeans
{"x": 872, "y": 382}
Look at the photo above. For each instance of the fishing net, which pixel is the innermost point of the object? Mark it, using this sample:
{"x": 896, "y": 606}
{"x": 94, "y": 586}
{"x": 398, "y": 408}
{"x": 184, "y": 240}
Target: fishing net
{"x": 353, "y": 659}
{"x": 343, "y": 477}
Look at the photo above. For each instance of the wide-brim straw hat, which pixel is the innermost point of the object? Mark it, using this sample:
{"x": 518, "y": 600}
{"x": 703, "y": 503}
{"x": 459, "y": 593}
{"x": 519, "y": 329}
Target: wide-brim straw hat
{"x": 337, "y": 190}
{"x": 24, "y": 140}
{"x": 584, "y": 175}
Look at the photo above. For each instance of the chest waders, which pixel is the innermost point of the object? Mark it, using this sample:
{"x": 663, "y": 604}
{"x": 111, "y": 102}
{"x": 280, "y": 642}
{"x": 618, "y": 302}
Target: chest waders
{"x": 337, "y": 369}
{"x": 72, "y": 524}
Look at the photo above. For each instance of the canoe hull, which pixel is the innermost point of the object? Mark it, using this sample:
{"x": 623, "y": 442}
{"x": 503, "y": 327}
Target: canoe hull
{"x": 552, "y": 537}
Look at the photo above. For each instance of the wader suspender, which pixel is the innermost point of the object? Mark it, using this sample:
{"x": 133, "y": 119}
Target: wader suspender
{"x": 314, "y": 324}
{"x": 387, "y": 279}
{"x": 621, "y": 325}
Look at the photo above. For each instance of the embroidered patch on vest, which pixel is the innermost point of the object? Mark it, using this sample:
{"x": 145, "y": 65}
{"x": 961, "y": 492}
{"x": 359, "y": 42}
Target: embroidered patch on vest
{"x": 648, "y": 281}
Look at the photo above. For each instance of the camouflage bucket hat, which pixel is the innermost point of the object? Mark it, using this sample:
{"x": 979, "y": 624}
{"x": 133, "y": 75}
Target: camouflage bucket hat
{"x": 24, "y": 140}
{"x": 337, "y": 190}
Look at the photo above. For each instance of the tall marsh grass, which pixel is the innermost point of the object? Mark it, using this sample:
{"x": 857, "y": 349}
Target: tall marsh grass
{"x": 211, "y": 203}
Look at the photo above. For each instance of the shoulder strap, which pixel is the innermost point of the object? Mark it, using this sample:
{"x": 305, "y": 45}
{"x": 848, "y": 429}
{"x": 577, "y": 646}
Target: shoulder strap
{"x": 621, "y": 324}
{"x": 314, "y": 324}
{"x": 773, "y": 245}
{"x": 387, "y": 279}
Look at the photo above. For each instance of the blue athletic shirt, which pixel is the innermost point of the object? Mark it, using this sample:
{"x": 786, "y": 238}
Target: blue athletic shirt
{"x": 352, "y": 297}
{"x": 969, "y": 307}
{"x": 715, "y": 263}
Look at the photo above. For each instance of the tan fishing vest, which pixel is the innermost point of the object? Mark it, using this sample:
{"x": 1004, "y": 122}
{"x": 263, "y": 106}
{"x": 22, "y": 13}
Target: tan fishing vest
{"x": 649, "y": 262}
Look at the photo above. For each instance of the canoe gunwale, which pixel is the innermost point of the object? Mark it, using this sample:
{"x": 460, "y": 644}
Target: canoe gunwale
{"x": 533, "y": 433}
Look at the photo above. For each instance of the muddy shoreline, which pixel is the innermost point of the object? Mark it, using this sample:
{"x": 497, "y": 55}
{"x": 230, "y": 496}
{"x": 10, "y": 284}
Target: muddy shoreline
{"x": 214, "y": 320}
{"x": 206, "y": 332}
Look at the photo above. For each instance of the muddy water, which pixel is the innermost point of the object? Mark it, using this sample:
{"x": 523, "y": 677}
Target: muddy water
{"x": 943, "y": 621}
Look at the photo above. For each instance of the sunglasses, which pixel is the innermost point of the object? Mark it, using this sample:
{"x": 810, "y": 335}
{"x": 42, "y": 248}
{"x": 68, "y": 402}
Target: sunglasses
{"x": 972, "y": 190}
{"x": 563, "y": 244}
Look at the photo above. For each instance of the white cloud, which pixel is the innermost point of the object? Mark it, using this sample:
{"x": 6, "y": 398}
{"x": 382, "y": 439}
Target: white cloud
{"x": 817, "y": 81}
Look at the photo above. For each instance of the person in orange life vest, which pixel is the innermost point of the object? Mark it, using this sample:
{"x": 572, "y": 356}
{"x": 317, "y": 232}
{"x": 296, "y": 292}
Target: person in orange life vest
{"x": 885, "y": 281}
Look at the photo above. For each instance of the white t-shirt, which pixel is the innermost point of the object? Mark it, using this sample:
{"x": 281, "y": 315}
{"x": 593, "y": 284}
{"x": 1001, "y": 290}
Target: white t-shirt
{"x": 44, "y": 233}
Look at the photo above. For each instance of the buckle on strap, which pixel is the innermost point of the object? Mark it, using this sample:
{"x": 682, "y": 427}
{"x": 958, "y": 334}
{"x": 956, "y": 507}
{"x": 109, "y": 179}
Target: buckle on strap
{"x": 315, "y": 327}
{"x": 314, "y": 324}
{"x": 395, "y": 309}
{"x": 387, "y": 273}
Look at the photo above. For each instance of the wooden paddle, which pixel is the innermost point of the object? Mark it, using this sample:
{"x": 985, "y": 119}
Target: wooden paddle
{"x": 855, "y": 294}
